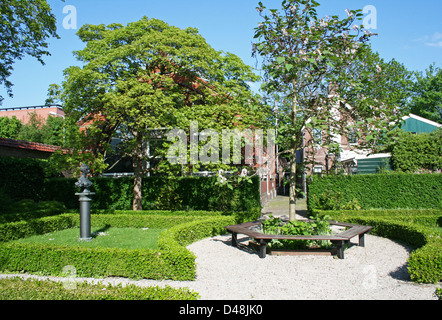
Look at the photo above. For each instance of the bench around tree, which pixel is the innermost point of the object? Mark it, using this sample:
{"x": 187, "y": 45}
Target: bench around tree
{"x": 340, "y": 240}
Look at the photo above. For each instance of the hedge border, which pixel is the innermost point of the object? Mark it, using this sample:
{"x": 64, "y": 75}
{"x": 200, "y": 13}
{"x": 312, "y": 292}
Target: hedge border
{"x": 387, "y": 191}
{"x": 171, "y": 261}
{"x": 425, "y": 262}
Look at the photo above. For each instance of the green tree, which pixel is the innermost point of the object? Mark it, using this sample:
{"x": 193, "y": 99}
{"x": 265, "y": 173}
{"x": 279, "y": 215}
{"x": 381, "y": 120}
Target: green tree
{"x": 50, "y": 131}
{"x": 53, "y": 131}
{"x": 149, "y": 75}
{"x": 426, "y": 99}
{"x": 32, "y": 131}
{"x": 389, "y": 83}
{"x": 25, "y": 25}
{"x": 9, "y": 127}
{"x": 307, "y": 62}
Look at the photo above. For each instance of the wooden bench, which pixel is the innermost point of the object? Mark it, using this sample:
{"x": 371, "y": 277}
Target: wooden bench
{"x": 340, "y": 240}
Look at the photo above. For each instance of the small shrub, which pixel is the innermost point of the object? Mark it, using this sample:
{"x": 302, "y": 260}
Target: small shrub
{"x": 319, "y": 226}
{"x": 438, "y": 293}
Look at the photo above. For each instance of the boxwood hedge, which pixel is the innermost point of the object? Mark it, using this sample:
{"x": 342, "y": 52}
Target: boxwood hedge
{"x": 171, "y": 261}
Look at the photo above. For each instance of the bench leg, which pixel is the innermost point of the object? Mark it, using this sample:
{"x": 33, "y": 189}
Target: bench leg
{"x": 234, "y": 239}
{"x": 362, "y": 240}
{"x": 262, "y": 248}
{"x": 340, "y": 246}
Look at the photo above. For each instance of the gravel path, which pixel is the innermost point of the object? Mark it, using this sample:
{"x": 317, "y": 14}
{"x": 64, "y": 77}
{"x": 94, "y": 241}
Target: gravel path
{"x": 377, "y": 271}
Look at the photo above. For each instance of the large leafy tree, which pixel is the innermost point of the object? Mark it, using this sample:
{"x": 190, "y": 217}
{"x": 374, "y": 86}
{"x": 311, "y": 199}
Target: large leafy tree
{"x": 426, "y": 99}
{"x": 25, "y": 26}
{"x": 150, "y": 75}
{"x": 307, "y": 63}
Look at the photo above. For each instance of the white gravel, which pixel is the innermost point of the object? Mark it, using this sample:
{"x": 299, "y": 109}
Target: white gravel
{"x": 374, "y": 272}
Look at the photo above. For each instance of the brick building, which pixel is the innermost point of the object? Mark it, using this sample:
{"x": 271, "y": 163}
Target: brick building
{"x": 24, "y": 113}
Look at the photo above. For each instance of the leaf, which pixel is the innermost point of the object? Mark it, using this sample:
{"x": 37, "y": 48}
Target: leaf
{"x": 288, "y": 67}
{"x": 280, "y": 60}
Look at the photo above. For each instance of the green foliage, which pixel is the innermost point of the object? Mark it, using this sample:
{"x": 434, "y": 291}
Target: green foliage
{"x": 312, "y": 64}
{"x": 418, "y": 153}
{"x": 19, "y": 289}
{"x": 25, "y": 26}
{"x": 318, "y": 226}
{"x": 49, "y": 131}
{"x": 431, "y": 218}
{"x": 332, "y": 200}
{"x": 149, "y": 75}
{"x": 28, "y": 209}
{"x": 438, "y": 293}
{"x": 171, "y": 261}
{"x": 187, "y": 193}
{"x": 22, "y": 178}
{"x": 427, "y": 94}
{"x": 25, "y": 179}
{"x": 9, "y": 127}
{"x": 388, "y": 191}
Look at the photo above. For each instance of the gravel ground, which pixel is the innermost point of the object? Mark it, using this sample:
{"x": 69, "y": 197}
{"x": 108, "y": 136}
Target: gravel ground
{"x": 377, "y": 271}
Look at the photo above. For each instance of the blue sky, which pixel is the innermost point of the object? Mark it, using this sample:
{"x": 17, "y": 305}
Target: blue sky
{"x": 409, "y": 31}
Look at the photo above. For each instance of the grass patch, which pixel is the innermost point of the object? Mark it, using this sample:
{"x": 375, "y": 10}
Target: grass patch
{"x": 105, "y": 237}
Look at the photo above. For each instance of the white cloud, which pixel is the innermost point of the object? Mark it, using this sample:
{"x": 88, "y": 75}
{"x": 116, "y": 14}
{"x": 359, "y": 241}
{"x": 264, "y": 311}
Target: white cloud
{"x": 434, "y": 40}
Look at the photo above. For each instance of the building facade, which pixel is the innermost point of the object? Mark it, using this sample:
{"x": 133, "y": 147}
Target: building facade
{"x": 24, "y": 113}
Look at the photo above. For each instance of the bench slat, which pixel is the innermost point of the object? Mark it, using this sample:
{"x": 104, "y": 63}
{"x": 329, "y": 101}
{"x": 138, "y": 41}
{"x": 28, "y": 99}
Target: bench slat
{"x": 354, "y": 231}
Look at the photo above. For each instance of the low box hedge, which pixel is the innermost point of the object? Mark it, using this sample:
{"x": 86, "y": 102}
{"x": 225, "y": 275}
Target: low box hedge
{"x": 171, "y": 261}
{"x": 425, "y": 262}
{"x": 18, "y": 289}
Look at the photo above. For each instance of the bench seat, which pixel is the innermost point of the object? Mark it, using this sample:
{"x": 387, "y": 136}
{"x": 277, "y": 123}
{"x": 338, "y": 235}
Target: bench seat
{"x": 339, "y": 240}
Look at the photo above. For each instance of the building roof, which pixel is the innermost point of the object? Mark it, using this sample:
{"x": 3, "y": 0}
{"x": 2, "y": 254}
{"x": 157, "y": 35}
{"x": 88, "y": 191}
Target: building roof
{"x": 27, "y": 145}
{"x": 414, "y": 123}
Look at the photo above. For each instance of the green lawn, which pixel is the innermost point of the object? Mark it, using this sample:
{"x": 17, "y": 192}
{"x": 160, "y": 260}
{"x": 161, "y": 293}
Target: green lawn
{"x": 124, "y": 238}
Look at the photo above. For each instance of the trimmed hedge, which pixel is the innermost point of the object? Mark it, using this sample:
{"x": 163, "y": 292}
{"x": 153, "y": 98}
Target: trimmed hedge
{"x": 22, "y": 178}
{"x": 386, "y": 191}
{"x": 424, "y": 263}
{"x": 26, "y": 179}
{"x": 187, "y": 193}
{"x": 171, "y": 261}
{"x": 19, "y": 289}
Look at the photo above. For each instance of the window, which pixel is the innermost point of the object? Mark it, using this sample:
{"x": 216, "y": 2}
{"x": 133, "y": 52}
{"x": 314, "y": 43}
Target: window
{"x": 352, "y": 137}
{"x": 317, "y": 136}
{"x": 317, "y": 169}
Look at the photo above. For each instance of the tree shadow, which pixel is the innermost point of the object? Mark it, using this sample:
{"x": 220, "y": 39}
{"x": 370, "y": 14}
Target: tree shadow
{"x": 102, "y": 229}
{"x": 241, "y": 246}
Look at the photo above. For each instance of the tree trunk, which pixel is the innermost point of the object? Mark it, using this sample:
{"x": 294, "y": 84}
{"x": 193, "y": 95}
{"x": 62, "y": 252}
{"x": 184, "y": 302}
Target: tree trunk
{"x": 292, "y": 181}
{"x": 294, "y": 145}
{"x": 138, "y": 174}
